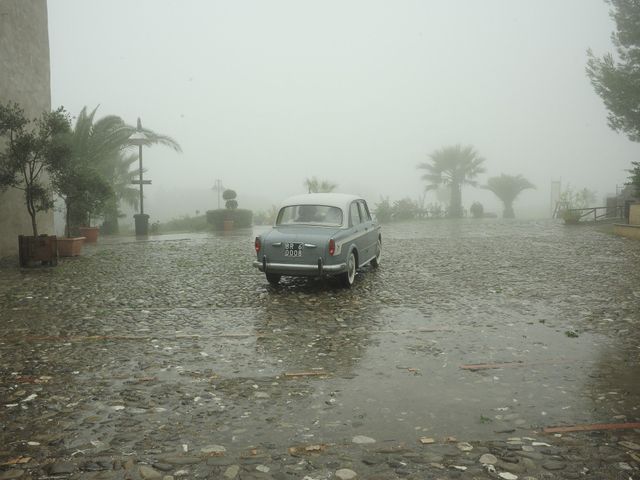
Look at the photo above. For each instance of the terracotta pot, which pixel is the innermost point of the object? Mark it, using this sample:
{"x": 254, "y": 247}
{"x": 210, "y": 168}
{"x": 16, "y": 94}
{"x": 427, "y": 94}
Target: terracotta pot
{"x": 41, "y": 250}
{"x": 70, "y": 247}
{"x": 90, "y": 234}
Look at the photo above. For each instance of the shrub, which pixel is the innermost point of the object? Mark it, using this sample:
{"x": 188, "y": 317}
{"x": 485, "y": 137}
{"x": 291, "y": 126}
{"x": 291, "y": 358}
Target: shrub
{"x": 266, "y": 217}
{"x": 383, "y": 210}
{"x": 404, "y": 209}
{"x": 242, "y": 218}
{"x": 477, "y": 210}
{"x": 184, "y": 224}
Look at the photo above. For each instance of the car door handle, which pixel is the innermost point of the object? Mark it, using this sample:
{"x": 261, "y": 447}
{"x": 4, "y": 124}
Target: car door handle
{"x": 310, "y": 245}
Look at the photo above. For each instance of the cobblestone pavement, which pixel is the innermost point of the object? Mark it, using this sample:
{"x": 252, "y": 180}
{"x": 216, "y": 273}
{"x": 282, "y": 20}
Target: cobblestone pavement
{"x": 173, "y": 358}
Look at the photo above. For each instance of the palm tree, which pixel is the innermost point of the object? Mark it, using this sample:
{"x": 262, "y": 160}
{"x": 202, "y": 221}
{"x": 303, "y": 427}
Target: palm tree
{"x": 102, "y": 144}
{"x": 319, "y": 186}
{"x": 453, "y": 167}
{"x": 507, "y": 188}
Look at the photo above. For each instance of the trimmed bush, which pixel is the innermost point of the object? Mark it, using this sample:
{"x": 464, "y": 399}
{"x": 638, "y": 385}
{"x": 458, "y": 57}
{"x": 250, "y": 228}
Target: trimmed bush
{"x": 242, "y": 218}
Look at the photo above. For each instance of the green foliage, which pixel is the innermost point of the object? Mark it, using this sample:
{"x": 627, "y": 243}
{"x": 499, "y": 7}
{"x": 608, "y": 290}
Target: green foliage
{"x": 405, "y": 209}
{"x": 314, "y": 185}
{"x": 617, "y": 81}
{"x": 571, "y": 200}
{"x": 577, "y": 199}
{"x": 184, "y": 224}
{"x": 507, "y": 188}
{"x": 101, "y": 145}
{"x": 32, "y": 147}
{"x": 229, "y": 194}
{"x": 453, "y": 167}
{"x": 242, "y": 218}
{"x": 435, "y": 210}
{"x": 634, "y": 179}
{"x": 383, "y": 210}
{"x": 266, "y": 217}
{"x": 477, "y": 210}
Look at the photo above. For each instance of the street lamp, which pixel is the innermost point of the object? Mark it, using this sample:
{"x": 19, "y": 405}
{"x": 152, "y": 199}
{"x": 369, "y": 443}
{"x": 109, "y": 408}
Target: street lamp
{"x": 142, "y": 221}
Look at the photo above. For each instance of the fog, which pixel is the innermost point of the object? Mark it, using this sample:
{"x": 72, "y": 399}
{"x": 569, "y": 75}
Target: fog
{"x": 265, "y": 94}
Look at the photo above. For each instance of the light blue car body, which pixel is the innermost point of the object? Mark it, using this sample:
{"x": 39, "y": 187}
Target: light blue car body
{"x": 324, "y": 247}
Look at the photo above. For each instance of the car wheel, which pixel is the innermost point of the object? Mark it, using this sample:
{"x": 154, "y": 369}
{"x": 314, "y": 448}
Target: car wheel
{"x": 273, "y": 278}
{"x": 349, "y": 276}
{"x": 375, "y": 263}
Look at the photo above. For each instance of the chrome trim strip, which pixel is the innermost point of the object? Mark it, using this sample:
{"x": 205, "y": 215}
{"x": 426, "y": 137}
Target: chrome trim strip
{"x": 340, "y": 243}
{"x": 310, "y": 245}
{"x": 368, "y": 260}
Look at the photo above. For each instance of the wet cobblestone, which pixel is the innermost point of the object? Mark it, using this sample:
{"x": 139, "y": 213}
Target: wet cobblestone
{"x": 173, "y": 357}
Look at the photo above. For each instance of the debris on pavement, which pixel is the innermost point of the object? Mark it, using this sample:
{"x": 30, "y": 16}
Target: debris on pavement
{"x": 592, "y": 427}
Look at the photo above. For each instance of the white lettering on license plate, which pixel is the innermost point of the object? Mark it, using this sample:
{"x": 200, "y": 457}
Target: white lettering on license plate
{"x": 292, "y": 249}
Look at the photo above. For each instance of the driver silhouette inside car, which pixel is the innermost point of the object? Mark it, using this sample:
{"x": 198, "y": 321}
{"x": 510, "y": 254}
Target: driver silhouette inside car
{"x": 307, "y": 213}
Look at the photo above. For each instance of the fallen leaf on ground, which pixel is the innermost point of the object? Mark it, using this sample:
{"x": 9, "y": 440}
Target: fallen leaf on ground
{"x": 17, "y": 460}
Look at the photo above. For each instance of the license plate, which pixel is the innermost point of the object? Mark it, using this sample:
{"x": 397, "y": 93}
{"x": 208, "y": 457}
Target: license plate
{"x": 292, "y": 249}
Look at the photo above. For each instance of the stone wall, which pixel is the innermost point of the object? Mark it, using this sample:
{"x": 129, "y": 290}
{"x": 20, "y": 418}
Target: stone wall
{"x": 24, "y": 78}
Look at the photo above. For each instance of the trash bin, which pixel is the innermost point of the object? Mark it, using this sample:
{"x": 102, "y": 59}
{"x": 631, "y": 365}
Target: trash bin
{"x": 142, "y": 224}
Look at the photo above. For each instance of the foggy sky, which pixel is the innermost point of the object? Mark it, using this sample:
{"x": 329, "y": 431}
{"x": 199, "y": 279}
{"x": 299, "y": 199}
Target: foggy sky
{"x": 264, "y": 94}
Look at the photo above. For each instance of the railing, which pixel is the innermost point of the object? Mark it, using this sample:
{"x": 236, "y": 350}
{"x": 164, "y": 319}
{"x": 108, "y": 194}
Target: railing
{"x": 594, "y": 214}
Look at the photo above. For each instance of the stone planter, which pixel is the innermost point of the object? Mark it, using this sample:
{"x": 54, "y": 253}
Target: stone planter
{"x": 40, "y": 250}
{"x": 228, "y": 225}
{"x": 70, "y": 247}
{"x": 90, "y": 234}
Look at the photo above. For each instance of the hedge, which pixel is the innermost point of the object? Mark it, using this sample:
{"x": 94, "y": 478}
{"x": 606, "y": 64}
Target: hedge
{"x": 241, "y": 218}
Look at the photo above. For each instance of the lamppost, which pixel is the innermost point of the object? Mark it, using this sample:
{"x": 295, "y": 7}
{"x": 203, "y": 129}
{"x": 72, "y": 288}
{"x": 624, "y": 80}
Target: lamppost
{"x": 218, "y": 188}
{"x": 142, "y": 220}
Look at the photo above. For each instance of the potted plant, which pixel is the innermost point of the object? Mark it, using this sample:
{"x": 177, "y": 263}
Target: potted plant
{"x": 82, "y": 189}
{"x": 32, "y": 146}
{"x": 229, "y": 196}
{"x": 572, "y": 204}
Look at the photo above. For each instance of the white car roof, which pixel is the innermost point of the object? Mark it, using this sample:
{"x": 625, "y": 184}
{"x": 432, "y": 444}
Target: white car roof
{"x": 340, "y": 200}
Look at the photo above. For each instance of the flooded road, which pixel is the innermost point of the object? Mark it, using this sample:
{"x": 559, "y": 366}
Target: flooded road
{"x": 176, "y": 345}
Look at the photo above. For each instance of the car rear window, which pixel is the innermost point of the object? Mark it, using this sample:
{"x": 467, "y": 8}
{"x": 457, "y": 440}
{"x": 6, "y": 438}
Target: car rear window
{"x": 310, "y": 215}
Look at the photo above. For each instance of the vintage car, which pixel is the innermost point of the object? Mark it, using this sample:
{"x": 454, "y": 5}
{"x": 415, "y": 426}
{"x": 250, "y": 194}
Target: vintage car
{"x": 318, "y": 235}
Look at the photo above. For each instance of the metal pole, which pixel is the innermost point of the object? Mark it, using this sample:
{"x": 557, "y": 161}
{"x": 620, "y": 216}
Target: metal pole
{"x": 141, "y": 195}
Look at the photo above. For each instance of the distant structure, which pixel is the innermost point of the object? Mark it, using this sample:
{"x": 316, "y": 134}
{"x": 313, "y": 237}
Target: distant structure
{"x": 556, "y": 191}
{"x": 24, "y": 78}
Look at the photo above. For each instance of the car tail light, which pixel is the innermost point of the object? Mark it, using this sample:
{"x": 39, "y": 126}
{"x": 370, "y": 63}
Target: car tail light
{"x": 257, "y": 244}
{"x": 332, "y": 247}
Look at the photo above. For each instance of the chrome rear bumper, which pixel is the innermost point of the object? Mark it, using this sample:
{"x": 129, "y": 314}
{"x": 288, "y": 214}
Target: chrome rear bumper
{"x": 300, "y": 269}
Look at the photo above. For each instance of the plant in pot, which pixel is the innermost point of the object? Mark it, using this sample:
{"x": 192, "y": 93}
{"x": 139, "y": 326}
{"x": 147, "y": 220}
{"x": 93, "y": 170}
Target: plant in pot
{"x": 572, "y": 204}
{"x": 82, "y": 189}
{"x": 32, "y": 146}
{"x": 229, "y": 196}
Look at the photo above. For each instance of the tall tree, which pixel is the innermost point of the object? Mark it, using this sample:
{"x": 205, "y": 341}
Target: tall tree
{"x": 102, "y": 144}
{"x": 453, "y": 167}
{"x": 32, "y": 148}
{"x": 617, "y": 80}
{"x": 314, "y": 185}
{"x": 634, "y": 179}
{"x": 507, "y": 188}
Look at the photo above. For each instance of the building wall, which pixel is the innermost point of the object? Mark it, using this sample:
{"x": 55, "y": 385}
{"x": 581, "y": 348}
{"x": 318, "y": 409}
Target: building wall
{"x": 24, "y": 78}
{"x": 634, "y": 214}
